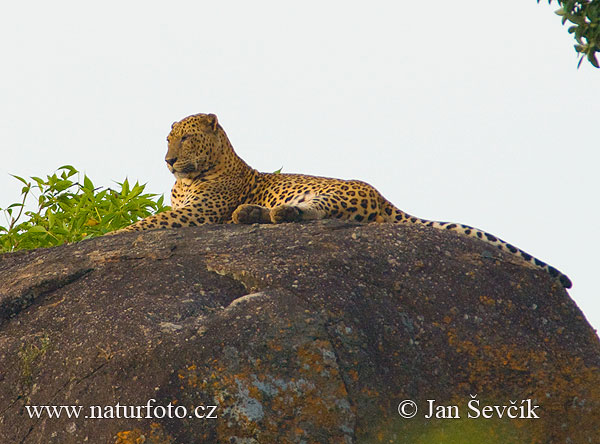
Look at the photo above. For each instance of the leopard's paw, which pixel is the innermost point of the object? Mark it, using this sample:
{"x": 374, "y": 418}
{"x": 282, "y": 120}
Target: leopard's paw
{"x": 285, "y": 213}
{"x": 251, "y": 214}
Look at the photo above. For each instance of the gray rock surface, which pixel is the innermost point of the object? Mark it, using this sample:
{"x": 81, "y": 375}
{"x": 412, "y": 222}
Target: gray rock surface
{"x": 297, "y": 333}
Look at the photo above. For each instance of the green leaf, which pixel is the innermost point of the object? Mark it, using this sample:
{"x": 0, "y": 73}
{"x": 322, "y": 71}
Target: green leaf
{"x": 37, "y": 229}
{"x": 62, "y": 184}
{"x": 87, "y": 183}
{"x": 38, "y": 180}
{"x": 71, "y": 171}
{"x": 20, "y": 178}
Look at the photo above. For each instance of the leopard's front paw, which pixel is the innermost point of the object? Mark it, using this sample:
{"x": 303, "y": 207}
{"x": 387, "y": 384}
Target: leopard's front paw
{"x": 251, "y": 214}
{"x": 285, "y": 213}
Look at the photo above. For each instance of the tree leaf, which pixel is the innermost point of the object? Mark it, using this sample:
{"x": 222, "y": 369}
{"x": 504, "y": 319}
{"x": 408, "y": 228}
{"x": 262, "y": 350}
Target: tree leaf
{"x": 37, "y": 229}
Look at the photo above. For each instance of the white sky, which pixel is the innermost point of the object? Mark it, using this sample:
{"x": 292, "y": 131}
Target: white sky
{"x": 472, "y": 112}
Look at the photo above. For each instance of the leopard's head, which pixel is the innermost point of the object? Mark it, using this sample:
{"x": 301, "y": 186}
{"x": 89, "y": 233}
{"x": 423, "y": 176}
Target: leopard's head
{"x": 195, "y": 146}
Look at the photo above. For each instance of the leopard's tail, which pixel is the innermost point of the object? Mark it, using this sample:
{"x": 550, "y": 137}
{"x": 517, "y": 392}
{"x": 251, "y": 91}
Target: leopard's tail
{"x": 392, "y": 214}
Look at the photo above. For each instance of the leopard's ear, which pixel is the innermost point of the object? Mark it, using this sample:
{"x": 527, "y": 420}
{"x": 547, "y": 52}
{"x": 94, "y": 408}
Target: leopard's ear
{"x": 213, "y": 121}
{"x": 173, "y": 125}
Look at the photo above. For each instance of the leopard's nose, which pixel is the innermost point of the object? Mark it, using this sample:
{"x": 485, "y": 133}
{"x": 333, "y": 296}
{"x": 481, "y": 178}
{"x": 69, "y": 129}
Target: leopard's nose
{"x": 171, "y": 160}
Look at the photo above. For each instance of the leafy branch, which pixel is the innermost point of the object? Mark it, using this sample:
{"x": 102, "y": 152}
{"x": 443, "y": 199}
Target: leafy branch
{"x": 585, "y": 18}
{"x": 69, "y": 211}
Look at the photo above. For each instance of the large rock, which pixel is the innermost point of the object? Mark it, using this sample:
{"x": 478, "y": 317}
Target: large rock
{"x": 298, "y": 333}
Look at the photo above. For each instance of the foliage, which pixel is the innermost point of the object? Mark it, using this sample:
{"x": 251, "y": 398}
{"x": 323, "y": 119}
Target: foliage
{"x": 585, "y": 17}
{"x": 69, "y": 211}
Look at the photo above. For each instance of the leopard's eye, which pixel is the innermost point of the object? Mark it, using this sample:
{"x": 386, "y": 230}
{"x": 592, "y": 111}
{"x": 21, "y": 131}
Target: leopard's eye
{"x": 185, "y": 137}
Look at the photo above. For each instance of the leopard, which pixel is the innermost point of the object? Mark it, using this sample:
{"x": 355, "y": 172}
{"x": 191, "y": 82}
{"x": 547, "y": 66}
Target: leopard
{"x": 213, "y": 185}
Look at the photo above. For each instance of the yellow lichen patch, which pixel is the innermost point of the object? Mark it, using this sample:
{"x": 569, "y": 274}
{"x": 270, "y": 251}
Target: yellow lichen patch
{"x": 565, "y": 388}
{"x": 486, "y": 300}
{"x": 460, "y": 346}
{"x": 370, "y": 393}
{"x": 134, "y": 436}
{"x": 254, "y": 392}
{"x": 190, "y": 378}
{"x": 454, "y": 431}
{"x": 275, "y": 345}
{"x": 156, "y": 435}
{"x": 260, "y": 400}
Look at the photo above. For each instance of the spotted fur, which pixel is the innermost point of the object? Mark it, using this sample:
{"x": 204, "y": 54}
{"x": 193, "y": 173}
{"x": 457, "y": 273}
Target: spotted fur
{"x": 214, "y": 185}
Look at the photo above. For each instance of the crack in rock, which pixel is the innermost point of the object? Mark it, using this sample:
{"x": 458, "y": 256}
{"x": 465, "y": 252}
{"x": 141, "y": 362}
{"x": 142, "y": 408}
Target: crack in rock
{"x": 10, "y": 307}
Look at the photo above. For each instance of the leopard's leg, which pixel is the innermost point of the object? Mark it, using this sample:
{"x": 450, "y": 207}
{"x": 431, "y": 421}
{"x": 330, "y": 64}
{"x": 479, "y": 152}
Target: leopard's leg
{"x": 306, "y": 207}
{"x": 251, "y": 214}
{"x": 186, "y": 216}
{"x": 357, "y": 204}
